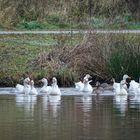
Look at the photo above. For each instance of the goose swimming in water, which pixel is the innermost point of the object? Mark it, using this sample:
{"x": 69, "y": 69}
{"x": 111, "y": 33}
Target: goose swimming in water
{"x": 25, "y": 88}
{"x": 33, "y": 90}
{"x": 133, "y": 86}
{"x": 87, "y": 87}
{"x": 80, "y": 85}
{"x": 45, "y": 88}
{"x": 54, "y": 88}
{"x": 121, "y": 90}
{"x": 98, "y": 89}
{"x": 137, "y": 90}
{"x": 117, "y": 85}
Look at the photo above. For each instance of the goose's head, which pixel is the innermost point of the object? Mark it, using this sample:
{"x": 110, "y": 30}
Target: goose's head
{"x": 97, "y": 84}
{"x": 123, "y": 82}
{"x": 44, "y": 81}
{"x": 85, "y": 81}
{"x": 113, "y": 80}
{"x": 126, "y": 76}
{"x": 27, "y": 80}
{"x": 54, "y": 80}
{"x": 32, "y": 83}
{"x": 87, "y": 76}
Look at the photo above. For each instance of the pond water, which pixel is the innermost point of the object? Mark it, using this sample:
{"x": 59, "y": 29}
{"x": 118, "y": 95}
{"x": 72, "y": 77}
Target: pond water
{"x": 71, "y": 116}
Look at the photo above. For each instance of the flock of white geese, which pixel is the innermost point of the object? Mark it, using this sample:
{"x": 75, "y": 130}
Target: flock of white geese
{"x": 28, "y": 87}
{"x": 82, "y": 86}
{"x": 118, "y": 88}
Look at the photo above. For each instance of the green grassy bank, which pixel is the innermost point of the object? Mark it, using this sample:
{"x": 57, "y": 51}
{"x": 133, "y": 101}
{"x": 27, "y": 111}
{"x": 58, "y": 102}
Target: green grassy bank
{"x": 69, "y": 14}
{"x": 68, "y": 57}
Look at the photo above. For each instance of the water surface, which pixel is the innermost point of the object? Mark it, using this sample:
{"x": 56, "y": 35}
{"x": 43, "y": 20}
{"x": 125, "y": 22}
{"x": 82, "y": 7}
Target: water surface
{"x": 72, "y": 116}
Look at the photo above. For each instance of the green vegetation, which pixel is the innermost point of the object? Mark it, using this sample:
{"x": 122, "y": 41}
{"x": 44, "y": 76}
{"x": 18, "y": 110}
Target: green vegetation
{"x": 125, "y": 59}
{"x": 68, "y": 57}
{"x": 19, "y": 51}
{"x": 69, "y": 14}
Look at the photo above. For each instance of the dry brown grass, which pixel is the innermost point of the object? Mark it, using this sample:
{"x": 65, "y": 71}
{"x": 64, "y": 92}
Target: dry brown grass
{"x": 96, "y": 55}
{"x": 91, "y": 56}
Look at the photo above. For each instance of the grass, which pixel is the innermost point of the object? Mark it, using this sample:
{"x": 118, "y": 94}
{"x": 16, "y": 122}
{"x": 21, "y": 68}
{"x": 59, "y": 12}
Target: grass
{"x": 18, "y": 52}
{"x": 57, "y": 22}
{"x": 125, "y": 59}
{"x": 118, "y": 22}
{"x": 68, "y": 57}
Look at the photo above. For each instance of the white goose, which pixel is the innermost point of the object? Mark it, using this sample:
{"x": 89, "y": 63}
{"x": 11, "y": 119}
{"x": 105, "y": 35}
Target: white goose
{"x": 80, "y": 85}
{"x": 54, "y": 88}
{"x": 117, "y": 85}
{"x": 137, "y": 90}
{"x": 33, "y": 90}
{"x": 87, "y": 87}
{"x": 133, "y": 86}
{"x": 124, "y": 80}
{"x": 25, "y": 88}
{"x": 121, "y": 90}
{"x": 45, "y": 88}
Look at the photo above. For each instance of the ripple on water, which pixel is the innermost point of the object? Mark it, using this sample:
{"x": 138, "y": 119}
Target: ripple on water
{"x": 71, "y": 116}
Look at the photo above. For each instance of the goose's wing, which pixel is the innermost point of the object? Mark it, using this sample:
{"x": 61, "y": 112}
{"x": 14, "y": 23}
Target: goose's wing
{"x": 19, "y": 88}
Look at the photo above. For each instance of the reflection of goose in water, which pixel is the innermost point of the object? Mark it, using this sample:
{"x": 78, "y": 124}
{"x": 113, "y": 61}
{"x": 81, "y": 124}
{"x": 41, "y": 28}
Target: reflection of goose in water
{"x": 45, "y": 100}
{"x": 121, "y": 103}
{"x": 54, "y": 102}
{"x": 87, "y": 103}
{"x": 135, "y": 101}
{"x": 26, "y": 101}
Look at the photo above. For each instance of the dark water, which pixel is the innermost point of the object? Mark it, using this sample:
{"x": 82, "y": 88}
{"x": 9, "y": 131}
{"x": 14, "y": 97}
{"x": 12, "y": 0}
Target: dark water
{"x": 69, "y": 117}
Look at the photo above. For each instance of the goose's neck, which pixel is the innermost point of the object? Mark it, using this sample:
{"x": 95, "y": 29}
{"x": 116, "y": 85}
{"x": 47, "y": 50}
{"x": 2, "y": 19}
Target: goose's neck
{"x": 54, "y": 85}
{"x": 45, "y": 84}
{"x": 26, "y": 85}
{"x": 32, "y": 86}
